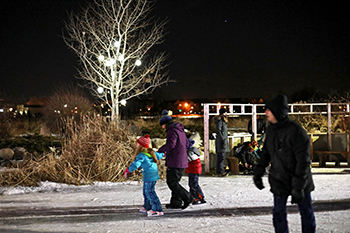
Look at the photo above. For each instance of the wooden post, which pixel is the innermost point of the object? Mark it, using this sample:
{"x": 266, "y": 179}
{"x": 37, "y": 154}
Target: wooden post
{"x": 242, "y": 139}
{"x": 311, "y": 148}
{"x": 254, "y": 123}
{"x": 329, "y": 115}
{"x": 206, "y": 138}
{"x": 230, "y": 143}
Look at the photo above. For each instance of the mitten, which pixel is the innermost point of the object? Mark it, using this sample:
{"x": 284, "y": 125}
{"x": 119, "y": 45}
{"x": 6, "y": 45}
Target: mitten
{"x": 258, "y": 182}
{"x": 297, "y": 196}
{"x": 126, "y": 173}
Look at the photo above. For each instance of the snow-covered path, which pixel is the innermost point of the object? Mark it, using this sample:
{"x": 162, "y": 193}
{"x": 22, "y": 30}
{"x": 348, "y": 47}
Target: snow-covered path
{"x": 234, "y": 205}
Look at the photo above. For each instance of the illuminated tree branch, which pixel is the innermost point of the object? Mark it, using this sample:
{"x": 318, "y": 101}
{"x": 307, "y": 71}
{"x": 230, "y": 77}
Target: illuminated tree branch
{"x": 113, "y": 39}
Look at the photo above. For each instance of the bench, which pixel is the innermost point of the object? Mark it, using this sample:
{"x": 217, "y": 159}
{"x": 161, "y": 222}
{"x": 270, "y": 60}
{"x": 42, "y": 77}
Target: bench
{"x": 324, "y": 156}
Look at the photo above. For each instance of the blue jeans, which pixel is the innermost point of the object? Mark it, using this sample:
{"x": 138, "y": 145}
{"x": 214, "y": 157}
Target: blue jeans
{"x": 195, "y": 189}
{"x": 280, "y": 222}
{"x": 151, "y": 200}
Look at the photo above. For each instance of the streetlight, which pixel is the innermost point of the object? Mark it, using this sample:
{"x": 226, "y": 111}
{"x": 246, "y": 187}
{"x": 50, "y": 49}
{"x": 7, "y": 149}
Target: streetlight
{"x": 138, "y": 62}
{"x": 110, "y": 62}
{"x": 117, "y": 44}
{"x": 101, "y": 57}
{"x": 100, "y": 90}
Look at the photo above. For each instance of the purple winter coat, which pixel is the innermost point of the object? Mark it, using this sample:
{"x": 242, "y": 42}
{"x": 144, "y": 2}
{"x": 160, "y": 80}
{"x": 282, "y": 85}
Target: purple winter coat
{"x": 175, "y": 147}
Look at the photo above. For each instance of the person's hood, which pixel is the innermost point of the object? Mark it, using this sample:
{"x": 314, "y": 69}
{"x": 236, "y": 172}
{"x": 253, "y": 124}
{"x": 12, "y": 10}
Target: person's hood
{"x": 176, "y": 126}
{"x": 279, "y": 107}
{"x": 220, "y": 117}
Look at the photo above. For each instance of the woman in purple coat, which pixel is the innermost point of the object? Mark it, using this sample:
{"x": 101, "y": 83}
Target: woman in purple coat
{"x": 175, "y": 160}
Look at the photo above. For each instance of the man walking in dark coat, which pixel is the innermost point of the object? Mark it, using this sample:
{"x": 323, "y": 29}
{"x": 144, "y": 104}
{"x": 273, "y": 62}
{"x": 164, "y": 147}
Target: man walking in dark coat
{"x": 287, "y": 148}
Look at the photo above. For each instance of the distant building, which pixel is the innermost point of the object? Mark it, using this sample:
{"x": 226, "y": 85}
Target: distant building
{"x": 33, "y": 107}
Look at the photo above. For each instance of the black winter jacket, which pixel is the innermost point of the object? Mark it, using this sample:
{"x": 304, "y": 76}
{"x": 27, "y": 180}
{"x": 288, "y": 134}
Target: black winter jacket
{"x": 243, "y": 153}
{"x": 287, "y": 148}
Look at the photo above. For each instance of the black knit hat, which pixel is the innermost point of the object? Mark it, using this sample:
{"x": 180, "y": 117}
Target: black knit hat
{"x": 279, "y": 107}
{"x": 222, "y": 111}
{"x": 165, "y": 118}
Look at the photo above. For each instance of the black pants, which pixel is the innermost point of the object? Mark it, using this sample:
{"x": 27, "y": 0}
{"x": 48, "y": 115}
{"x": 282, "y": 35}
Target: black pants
{"x": 308, "y": 222}
{"x": 220, "y": 162}
{"x": 178, "y": 193}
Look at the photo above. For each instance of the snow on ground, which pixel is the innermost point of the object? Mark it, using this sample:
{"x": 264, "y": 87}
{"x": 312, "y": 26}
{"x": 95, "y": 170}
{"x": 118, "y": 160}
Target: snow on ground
{"x": 234, "y": 205}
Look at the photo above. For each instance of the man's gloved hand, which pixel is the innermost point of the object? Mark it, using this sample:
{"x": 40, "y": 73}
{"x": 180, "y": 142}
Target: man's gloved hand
{"x": 297, "y": 196}
{"x": 126, "y": 173}
{"x": 258, "y": 182}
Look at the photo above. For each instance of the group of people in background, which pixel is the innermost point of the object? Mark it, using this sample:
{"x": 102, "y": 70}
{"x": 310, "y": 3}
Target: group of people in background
{"x": 286, "y": 151}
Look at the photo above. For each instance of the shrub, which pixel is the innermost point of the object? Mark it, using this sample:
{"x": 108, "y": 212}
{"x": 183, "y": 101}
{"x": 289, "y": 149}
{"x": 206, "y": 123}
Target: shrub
{"x": 94, "y": 150}
{"x": 67, "y": 101}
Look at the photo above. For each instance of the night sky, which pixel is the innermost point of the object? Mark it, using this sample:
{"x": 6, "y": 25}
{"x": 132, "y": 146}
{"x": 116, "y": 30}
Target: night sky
{"x": 218, "y": 48}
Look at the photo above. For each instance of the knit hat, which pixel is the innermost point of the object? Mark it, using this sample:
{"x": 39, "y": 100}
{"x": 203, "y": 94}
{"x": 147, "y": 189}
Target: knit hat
{"x": 191, "y": 142}
{"x": 253, "y": 145}
{"x": 222, "y": 111}
{"x": 144, "y": 141}
{"x": 165, "y": 117}
{"x": 279, "y": 107}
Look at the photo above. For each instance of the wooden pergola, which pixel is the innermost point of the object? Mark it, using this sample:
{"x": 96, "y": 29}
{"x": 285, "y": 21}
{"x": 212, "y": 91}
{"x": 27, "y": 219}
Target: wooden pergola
{"x": 254, "y": 110}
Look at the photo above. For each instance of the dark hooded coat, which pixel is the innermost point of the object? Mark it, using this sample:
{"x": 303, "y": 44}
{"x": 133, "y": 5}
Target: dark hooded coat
{"x": 244, "y": 154}
{"x": 287, "y": 148}
{"x": 221, "y": 140}
{"x": 175, "y": 147}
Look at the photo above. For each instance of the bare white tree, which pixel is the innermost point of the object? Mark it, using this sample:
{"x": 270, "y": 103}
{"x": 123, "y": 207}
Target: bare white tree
{"x": 113, "y": 39}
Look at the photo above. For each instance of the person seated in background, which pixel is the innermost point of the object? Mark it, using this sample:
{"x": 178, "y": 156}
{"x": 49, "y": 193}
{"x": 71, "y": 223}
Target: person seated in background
{"x": 255, "y": 148}
{"x": 247, "y": 153}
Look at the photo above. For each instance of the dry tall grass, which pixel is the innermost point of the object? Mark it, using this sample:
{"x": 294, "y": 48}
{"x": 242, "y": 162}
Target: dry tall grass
{"x": 94, "y": 150}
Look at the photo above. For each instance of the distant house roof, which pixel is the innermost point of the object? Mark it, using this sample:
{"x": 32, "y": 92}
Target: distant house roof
{"x": 37, "y": 101}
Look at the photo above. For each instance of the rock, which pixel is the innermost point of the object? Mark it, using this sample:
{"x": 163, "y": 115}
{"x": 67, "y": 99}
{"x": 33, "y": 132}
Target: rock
{"x": 19, "y": 153}
{"x": 6, "y": 154}
{"x": 45, "y": 131}
{"x": 157, "y": 142}
{"x": 6, "y": 163}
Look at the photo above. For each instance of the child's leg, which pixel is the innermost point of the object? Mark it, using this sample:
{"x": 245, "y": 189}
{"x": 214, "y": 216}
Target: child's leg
{"x": 199, "y": 190}
{"x": 195, "y": 189}
{"x": 146, "y": 202}
{"x": 192, "y": 185}
{"x": 152, "y": 196}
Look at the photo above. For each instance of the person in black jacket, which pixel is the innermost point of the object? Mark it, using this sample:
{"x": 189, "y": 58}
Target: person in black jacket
{"x": 246, "y": 153}
{"x": 287, "y": 148}
{"x": 260, "y": 126}
{"x": 221, "y": 141}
